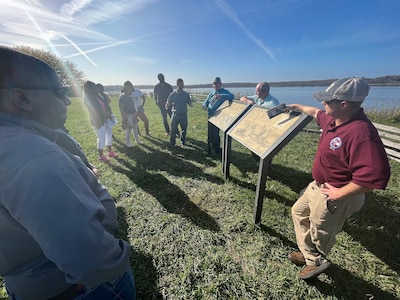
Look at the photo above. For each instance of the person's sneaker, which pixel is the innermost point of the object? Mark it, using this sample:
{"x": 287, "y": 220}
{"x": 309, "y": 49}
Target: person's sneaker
{"x": 297, "y": 258}
{"x": 128, "y": 144}
{"x": 104, "y": 158}
{"x": 112, "y": 154}
{"x": 311, "y": 271}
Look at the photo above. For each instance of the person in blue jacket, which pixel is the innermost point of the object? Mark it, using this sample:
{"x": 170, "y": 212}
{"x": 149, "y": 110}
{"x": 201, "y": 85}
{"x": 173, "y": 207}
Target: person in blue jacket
{"x": 213, "y": 101}
{"x": 58, "y": 224}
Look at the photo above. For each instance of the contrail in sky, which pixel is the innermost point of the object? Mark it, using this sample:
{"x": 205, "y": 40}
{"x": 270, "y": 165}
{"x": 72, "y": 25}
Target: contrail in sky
{"x": 233, "y": 16}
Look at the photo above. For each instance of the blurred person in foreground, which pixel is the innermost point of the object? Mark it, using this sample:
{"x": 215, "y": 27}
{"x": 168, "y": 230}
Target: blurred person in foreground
{"x": 161, "y": 92}
{"x": 178, "y": 100}
{"x": 214, "y": 100}
{"x": 350, "y": 161}
{"x": 57, "y": 222}
{"x": 262, "y": 96}
{"x": 128, "y": 111}
{"x": 100, "y": 115}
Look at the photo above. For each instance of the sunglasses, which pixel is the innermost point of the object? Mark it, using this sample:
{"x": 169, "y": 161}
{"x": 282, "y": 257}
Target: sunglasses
{"x": 215, "y": 83}
{"x": 59, "y": 92}
{"x": 329, "y": 102}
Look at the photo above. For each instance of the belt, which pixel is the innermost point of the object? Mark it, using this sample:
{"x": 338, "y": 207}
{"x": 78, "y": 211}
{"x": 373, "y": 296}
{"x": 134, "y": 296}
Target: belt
{"x": 70, "y": 293}
{"x": 319, "y": 184}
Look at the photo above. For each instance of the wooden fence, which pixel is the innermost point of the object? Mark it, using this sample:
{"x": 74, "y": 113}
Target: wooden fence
{"x": 391, "y": 139}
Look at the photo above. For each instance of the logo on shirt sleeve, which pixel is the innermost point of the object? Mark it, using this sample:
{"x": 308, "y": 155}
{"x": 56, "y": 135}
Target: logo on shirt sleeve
{"x": 335, "y": 143}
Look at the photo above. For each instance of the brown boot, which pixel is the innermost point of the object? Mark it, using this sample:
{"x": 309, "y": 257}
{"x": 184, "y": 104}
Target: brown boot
{"x": 297, "y": 258}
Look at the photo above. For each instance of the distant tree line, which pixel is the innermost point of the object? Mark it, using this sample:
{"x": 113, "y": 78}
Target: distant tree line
{"x": 72, "y": 76}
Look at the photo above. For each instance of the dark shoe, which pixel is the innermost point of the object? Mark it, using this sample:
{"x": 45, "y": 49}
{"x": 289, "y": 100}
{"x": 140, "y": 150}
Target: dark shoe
{"x": 311, "y": 271}
{"x": 297, "y": 258}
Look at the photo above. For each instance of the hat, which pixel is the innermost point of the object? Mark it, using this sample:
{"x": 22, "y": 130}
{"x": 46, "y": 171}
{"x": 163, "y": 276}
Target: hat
{"x": 19, "y": 70}
{"x": 350, "y": 89}
{"x": 217, "y": 80}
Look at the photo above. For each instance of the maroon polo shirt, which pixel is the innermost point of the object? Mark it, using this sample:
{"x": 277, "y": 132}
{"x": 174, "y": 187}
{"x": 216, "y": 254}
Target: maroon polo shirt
{"x": 350, "y": 152}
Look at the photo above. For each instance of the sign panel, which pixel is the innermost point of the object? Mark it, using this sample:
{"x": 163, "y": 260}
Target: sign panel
{"x": 227, "y": 114}
{"x": 265, "y": 137}
{"x": 257, "y": 132}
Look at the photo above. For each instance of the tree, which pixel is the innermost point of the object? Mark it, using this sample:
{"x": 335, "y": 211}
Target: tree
{"x": 67, "y": 71}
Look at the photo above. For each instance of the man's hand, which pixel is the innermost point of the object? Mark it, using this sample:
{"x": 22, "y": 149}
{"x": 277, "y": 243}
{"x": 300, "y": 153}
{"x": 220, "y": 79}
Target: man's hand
{"x": 330, "y": 191}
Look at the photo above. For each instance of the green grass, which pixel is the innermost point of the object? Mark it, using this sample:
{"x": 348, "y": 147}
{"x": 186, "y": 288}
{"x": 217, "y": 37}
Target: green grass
{"x": 192, "y": 231}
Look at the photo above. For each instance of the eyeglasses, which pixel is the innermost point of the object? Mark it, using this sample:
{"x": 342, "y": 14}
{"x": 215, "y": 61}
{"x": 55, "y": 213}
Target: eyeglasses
{"x": 329, "y": 102}
{"x": 215, "y": 83}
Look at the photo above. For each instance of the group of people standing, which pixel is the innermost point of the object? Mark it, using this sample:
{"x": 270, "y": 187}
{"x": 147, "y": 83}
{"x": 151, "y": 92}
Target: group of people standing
{"x": 349, "y": 149}
{"x": 171, "y": 103}
{"x": 59, "y": 225}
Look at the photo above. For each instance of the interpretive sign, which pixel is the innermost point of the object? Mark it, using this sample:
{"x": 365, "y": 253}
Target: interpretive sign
{"x": 225, "y": 116}
{"x": 265, "y": 137}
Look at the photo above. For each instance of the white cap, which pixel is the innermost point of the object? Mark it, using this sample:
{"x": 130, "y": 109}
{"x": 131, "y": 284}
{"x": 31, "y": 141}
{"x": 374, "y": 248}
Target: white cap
{"x": 350, "y": 89}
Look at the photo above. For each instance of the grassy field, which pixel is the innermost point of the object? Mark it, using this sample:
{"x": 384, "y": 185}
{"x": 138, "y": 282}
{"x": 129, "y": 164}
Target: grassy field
{"x": 192, "y": 232}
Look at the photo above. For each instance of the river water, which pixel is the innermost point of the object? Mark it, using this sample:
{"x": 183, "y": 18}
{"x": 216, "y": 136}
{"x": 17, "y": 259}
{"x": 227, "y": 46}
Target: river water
{"x": 379, "y": 98}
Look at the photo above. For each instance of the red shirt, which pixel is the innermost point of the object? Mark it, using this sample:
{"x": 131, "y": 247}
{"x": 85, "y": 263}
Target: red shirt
{"x": 350, "y": 152}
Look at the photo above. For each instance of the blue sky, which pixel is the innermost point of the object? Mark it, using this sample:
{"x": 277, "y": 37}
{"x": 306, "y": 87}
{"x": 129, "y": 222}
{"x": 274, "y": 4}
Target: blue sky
{"x": 238, "y": 40}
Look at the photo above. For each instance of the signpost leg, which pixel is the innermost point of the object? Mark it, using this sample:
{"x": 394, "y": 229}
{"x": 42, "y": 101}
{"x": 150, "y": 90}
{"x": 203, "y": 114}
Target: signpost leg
{"x": 260, "y": 191}
{"x": 209, "y": 138}
{"x": 226, "y": 160}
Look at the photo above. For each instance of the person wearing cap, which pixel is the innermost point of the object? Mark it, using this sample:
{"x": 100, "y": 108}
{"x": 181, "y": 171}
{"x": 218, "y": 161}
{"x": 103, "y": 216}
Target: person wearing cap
{"x": 214, "y": 100}
{"x": 161, "y": 92}
{"x": 350, "y": 161}
{"x": 58, "y": 224}
{"x": 178, "y": 100}
{"x": 262, "y": 96}
{"x": 100, "y": 114}
{"x": 128, "y": 113}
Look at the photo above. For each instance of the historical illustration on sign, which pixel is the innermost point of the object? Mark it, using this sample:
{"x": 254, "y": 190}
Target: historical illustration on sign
{"x": 227, "y": 113}
{"x": 258, "y": 132}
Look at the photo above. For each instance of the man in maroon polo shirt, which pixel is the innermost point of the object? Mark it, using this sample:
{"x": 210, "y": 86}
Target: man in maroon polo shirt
{"x": 350, "y": 161}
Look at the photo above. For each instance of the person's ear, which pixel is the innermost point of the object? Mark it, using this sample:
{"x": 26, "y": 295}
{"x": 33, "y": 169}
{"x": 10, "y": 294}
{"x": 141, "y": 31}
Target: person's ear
{"x": 19, "y": 99}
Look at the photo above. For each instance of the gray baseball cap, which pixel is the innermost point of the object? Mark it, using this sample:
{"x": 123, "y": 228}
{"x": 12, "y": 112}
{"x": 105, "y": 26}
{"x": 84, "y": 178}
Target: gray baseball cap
{"x": 351, "y": 89}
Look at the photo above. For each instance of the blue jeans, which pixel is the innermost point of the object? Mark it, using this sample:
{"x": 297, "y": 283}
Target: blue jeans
{"x": 122, "y": 288}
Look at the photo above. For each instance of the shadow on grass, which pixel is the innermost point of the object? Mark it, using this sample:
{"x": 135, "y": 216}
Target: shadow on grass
{"x": 177, "y": 161}
{"x": 291, "y": 177}
{"x": 271, "y": 232}
{"x": 346, "y": 286}
{"x": 169, "y": 195}
{"x": 380, "y": 235}
{"x": 145, "y": 273}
